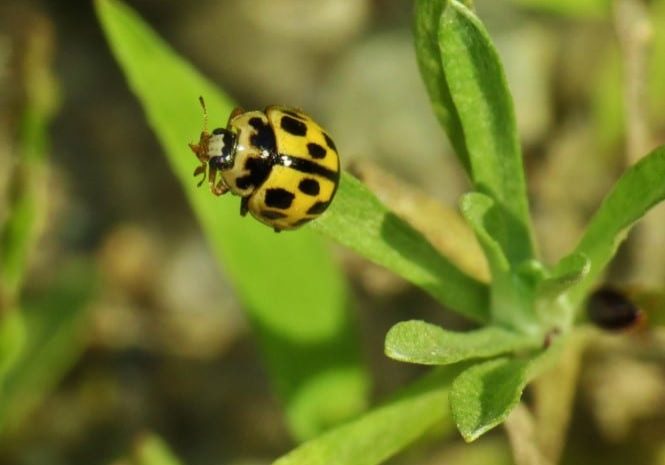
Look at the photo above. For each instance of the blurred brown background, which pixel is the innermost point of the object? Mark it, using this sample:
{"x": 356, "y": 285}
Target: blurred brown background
{"x": 167, "y": 347}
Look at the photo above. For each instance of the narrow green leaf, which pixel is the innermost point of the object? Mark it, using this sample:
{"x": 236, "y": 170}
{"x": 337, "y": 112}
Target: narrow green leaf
{"x": 54, "y": 330}
{"x": 511, "y": 300}
{"x": 360, "y": 221}
{"x": 426, "y": 37}
{"x": 28, "y": 179}
{"x": 479, "y": 211}
{"x": 12, "y": 340}
{"x": 639, "y": 188}
{"x": 421, "y": 342}
{"x": 152, "y": 450}
{"x": 381, "y": 433}
{"x": 296, "y": 296}
{"x": 483, "y": 395}
{"x": 480, "y": 95}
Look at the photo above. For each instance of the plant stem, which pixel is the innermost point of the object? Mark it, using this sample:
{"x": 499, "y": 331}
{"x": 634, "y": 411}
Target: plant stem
{"x": 522, "y": 437}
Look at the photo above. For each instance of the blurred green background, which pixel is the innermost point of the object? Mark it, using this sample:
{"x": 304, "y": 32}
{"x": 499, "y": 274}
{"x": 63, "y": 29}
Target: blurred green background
{"x": 131, "y": 325}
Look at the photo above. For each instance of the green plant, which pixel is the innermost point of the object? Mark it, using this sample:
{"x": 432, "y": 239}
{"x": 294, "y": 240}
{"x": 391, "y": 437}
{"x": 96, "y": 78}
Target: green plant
{"x": 40, "y": 338}
{"x": 529, "y": 312}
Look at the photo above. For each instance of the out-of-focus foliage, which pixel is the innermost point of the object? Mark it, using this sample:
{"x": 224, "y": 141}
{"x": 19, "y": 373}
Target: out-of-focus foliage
{"x": 144, "y": 328}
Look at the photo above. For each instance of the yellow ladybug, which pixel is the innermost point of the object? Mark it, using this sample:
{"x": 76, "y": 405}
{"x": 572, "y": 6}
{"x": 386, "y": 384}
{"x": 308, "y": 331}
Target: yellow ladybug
{"x": 280, "y": 161}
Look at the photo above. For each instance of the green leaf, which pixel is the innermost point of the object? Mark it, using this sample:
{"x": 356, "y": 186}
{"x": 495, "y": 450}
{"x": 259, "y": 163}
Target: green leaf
{"x": 480, "y": 95}
{"x": 296, "y": 297}
{"x": 55, "y": 330}
{"x": 381, "y": 433}
{"x": 426, "y": 37}
{"x": 511, "y": 300}
{"x": 568, "y": 272}
{"x": 152, "y": 450}
{"x": 639, "y": 188}
{"x": 28, "y": 180}
{"x": 421, "y": 342}
{"x": 360, "y": 221}
{"x": 12, "y": 340}
{"x": 552, "y": 304}
{"x": 483, "y": 395}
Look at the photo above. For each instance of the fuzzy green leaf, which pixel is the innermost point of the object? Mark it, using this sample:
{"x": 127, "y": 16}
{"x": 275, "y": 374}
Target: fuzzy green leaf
{"x": 511, "y": 299}
{"x": 360, "y": 221}
{"x": 567, "y": 273}
{"x": 426, "y": 37}
{"x": 639, "y": 188}
{"x": 482, "y": 101}
{"x": 379, "y": 434}
{"x": 421, "y": 342}
{"x": 296, "y": 296}
{"x": 483, "y": 396}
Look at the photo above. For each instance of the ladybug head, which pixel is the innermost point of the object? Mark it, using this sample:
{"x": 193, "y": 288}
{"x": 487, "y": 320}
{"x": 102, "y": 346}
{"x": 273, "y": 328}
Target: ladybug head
{"x": 222, "y": 149}
{"x": 216, "y": 150}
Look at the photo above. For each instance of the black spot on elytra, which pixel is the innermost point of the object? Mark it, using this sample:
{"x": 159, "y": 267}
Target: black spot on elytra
{"x": 294, "y": 114}
{"x": 318, "y": 208}
{"x": 309, "y": 186}
{"x": 264, "y": 138}
{"x": 293, "y": 126}
{"x": 316, "y": 151}
{"x": 259, "y": 169}
{"x": 279, "y": 198}
{"x": 300, "y": 222}
{"x": 272, "y": 215}
{"x": 305, "y": 165}
{"x": 329, "y": 141}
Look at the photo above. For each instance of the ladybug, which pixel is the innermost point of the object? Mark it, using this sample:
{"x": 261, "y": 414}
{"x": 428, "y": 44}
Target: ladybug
{"x": 282, "y": 164}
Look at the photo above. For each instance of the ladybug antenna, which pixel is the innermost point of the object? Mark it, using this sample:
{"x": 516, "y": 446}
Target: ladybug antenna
{"x": 205, "y": 114}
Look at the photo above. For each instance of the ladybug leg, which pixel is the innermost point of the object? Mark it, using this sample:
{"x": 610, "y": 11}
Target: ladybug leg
{"x": 216, "y": 187}
{"x": 237, "y": 111}
{"x": 244, "y": 206}
{"x": 277, "y": 230}
{"x": 219, "y": 188}
{"x": 201, "y": 169}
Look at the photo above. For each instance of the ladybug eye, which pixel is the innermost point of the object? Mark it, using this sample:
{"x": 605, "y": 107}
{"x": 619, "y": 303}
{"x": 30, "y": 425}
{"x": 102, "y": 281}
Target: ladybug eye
{"x": 222, "y": 163}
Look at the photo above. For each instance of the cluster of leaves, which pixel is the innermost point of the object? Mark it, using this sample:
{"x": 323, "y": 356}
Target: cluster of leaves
{"x": 304, "y": 330}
